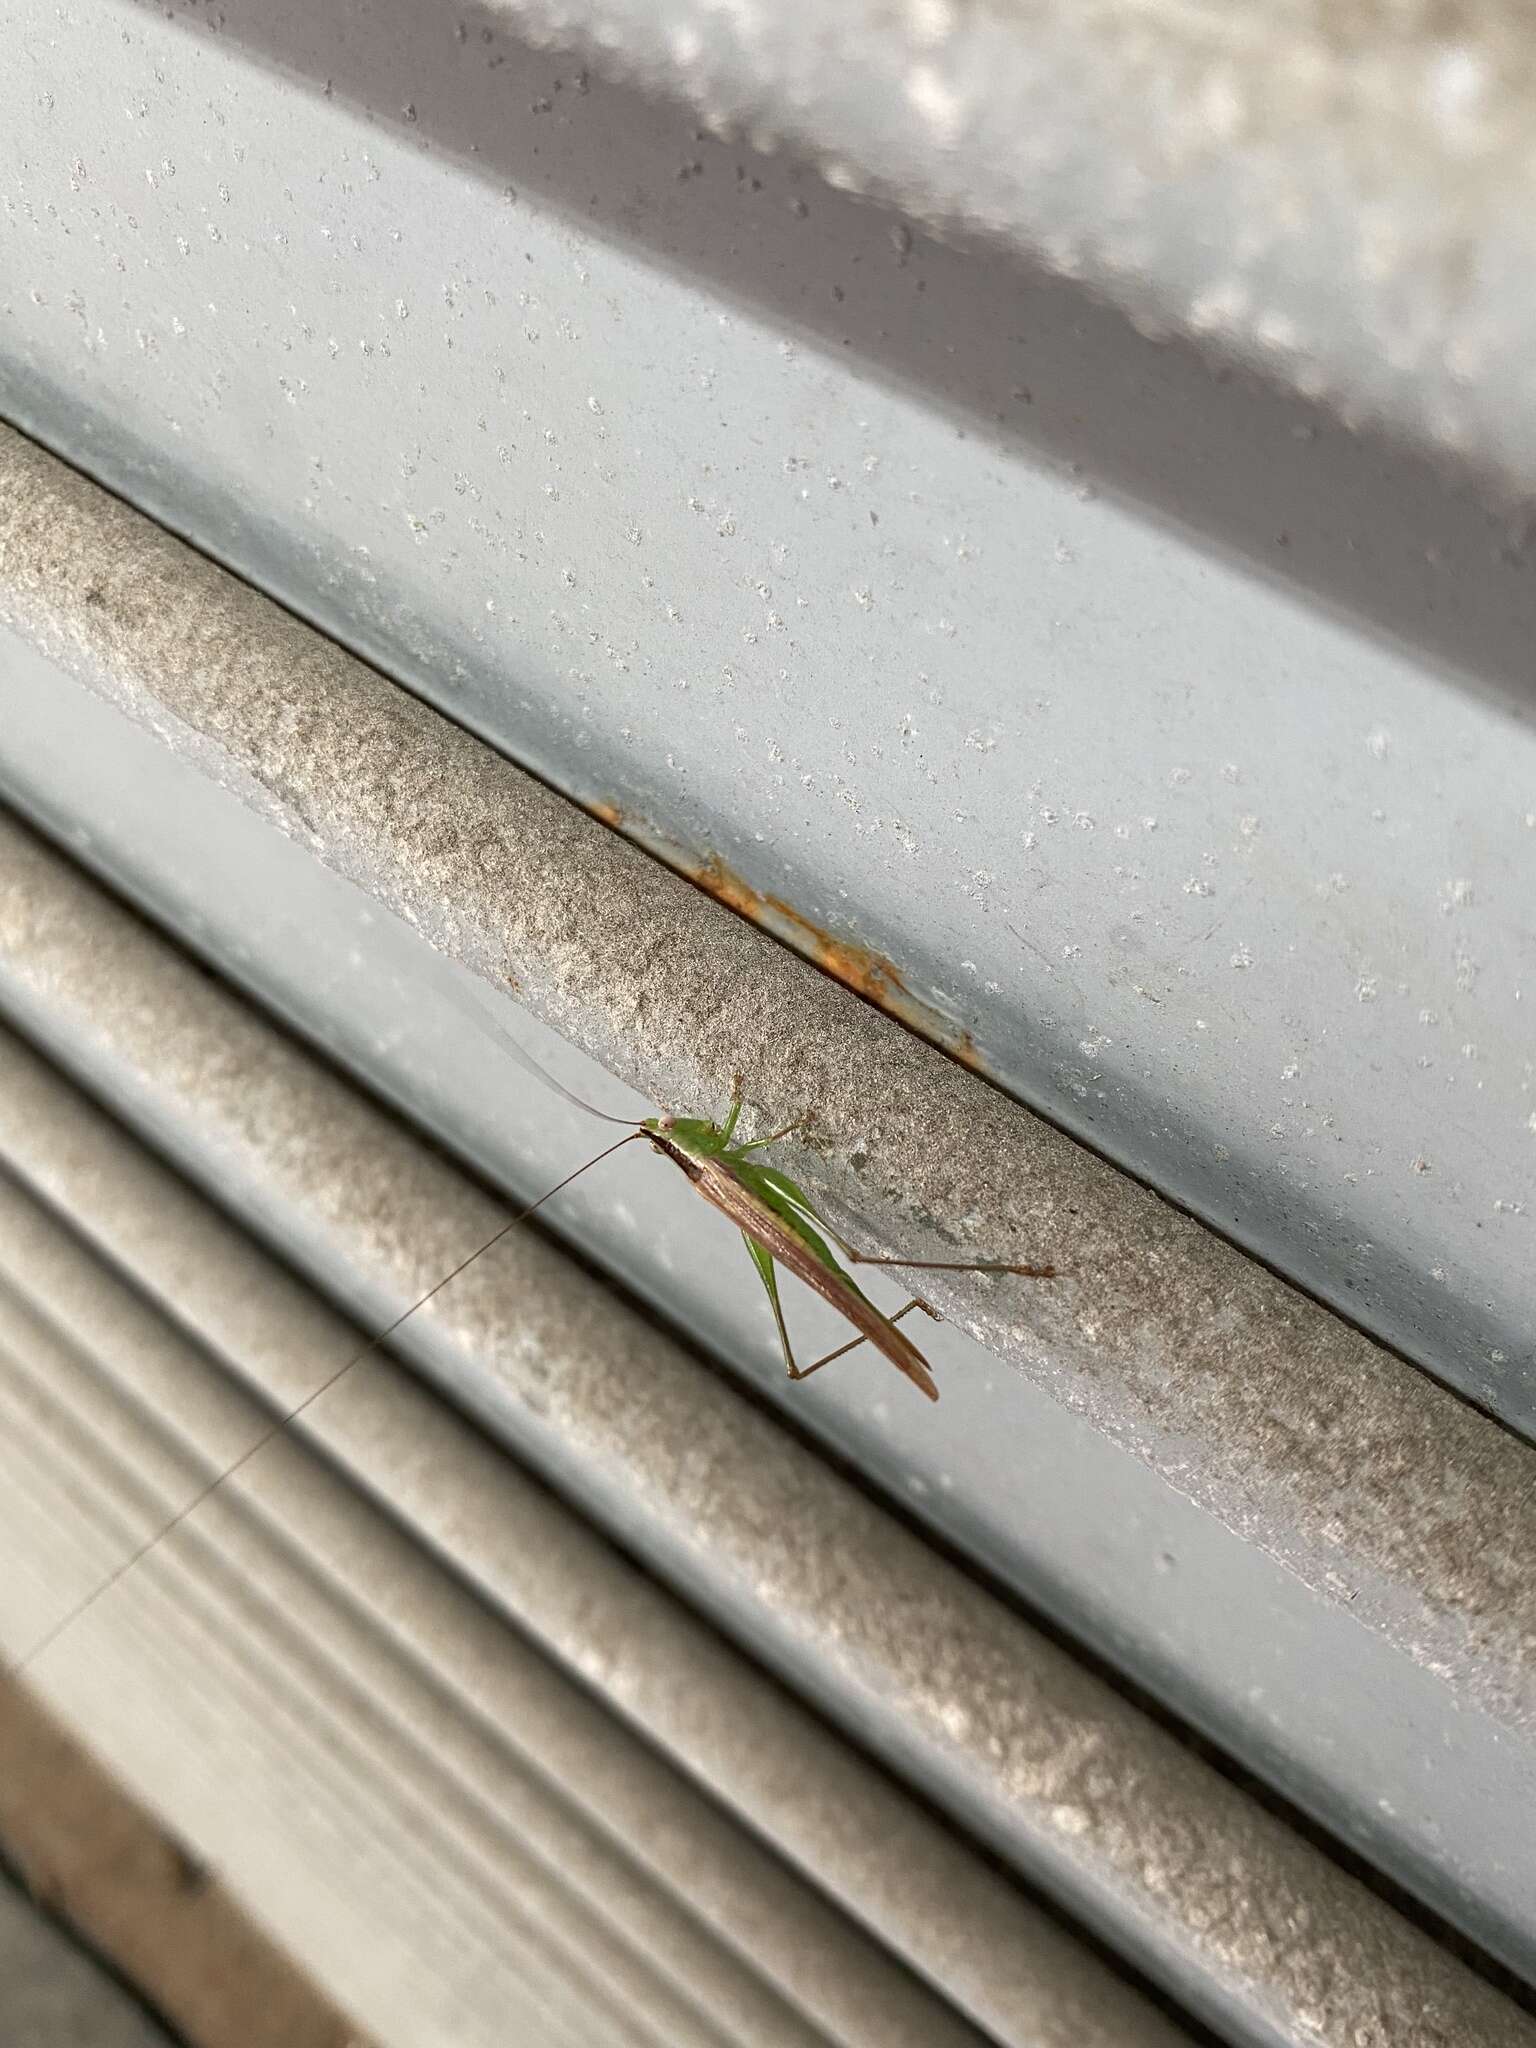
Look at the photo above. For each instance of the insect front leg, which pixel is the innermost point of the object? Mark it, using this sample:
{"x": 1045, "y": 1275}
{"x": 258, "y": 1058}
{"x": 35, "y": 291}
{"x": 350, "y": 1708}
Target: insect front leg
{"x": 773, "y": 1137}
{"x": 753, "y": 1144}
{"x": 738, "y": 1093}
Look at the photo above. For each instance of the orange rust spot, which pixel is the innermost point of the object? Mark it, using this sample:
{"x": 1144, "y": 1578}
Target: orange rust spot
{"x": 865, "y": 972}
{"x": 610, "y": 814}
{"x": 715, "y": 877}
{"x": 964, "y": 1048}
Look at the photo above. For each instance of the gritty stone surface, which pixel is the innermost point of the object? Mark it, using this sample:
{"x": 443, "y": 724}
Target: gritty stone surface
{"x": 763, "y": 1756}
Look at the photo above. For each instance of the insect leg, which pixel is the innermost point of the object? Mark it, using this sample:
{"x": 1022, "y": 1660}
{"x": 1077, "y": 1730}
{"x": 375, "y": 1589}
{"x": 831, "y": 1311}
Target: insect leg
{"x": 768, "y": 1274}
{"x": 955, "y": 1265}
{"x": 937, "y": 1265}
{"x": 804, "y": 1372}
{"x": 753, "y": 1144}
{"x": 738, "y": 1089}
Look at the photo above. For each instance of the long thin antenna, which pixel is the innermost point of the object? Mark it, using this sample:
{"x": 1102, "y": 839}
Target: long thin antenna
{"x": 152, "y": 1542}
{"x": 470, "y": 1001}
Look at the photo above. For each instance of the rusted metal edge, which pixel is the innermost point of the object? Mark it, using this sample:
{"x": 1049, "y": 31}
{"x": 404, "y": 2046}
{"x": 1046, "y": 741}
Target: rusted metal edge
{"x": 862, "y": 969}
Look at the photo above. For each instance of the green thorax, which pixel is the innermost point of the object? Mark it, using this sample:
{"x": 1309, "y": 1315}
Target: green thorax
{"x": 693, "y": 1134}
{"x": 702, "y": 1139}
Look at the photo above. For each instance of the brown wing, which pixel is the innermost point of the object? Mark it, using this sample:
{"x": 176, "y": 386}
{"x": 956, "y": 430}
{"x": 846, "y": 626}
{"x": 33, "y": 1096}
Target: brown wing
{"x": 719, "y": 1187}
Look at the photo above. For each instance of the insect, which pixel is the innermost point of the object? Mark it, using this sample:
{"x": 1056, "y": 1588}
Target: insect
{"x": 778, "y": 1222}
{"x": 780, "y": 1227}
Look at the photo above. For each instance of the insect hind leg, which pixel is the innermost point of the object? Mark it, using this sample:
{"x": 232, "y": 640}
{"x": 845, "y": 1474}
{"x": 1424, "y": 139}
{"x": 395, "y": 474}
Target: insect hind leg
{"x": 947, "y": 1265}
{"x": 803, "y": 1372}
{"x": 857, "y": 1258}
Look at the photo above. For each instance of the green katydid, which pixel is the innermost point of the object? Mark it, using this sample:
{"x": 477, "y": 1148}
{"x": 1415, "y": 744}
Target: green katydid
{"x": 781, "y": 1227}
{"x": 776, "y": 1218}
{"x": 778, "y": 1222}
